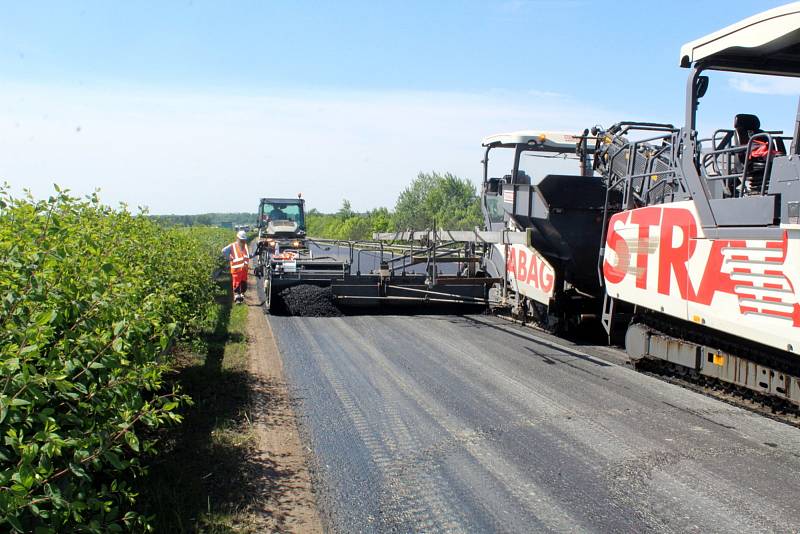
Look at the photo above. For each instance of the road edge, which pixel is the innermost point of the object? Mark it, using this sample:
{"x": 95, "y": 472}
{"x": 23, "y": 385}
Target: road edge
{"x": 277, "y": 427}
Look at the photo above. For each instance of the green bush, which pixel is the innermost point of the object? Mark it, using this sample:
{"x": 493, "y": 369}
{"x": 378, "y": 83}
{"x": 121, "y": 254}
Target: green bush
{"x": 92, "y": 300}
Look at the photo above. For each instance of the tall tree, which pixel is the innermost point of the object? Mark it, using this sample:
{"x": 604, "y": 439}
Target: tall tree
{"x": 346, "y": 210}
{"x": 445, "y": 198}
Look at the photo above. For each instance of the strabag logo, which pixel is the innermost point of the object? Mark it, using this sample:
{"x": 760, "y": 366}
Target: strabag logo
{"x": 672, "y": 260}
{"x": 529, "y": 273}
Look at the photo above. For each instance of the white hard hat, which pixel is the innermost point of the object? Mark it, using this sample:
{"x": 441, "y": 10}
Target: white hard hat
{"x": 241, "y": 235}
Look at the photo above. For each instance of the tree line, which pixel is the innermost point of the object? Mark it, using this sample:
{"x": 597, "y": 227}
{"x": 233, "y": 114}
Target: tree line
{"x": 443, "y": 200}
{"x": 223, "y": 220}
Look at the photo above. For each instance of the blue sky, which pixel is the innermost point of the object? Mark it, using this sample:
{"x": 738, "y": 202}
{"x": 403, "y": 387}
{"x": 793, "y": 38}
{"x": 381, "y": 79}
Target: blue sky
{"x": 195, "y": 106}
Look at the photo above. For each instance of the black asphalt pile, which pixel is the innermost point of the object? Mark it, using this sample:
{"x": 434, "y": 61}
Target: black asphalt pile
{"x": 308, "y": 301}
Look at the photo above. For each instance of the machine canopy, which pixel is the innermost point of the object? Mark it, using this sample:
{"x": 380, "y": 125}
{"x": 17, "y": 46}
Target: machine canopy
{"x": 766, "y": 43}
{"x": 544, "y": 141}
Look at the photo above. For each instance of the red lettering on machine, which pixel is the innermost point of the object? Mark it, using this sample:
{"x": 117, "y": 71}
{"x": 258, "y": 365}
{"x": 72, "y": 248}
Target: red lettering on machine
{"x": 752, "y": 270}
{"x": 528, "y": 268}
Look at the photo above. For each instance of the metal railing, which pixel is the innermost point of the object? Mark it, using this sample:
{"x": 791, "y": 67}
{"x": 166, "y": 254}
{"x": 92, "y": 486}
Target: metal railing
{"x": 640, "y": 168}
{"x": 723, "y": 162}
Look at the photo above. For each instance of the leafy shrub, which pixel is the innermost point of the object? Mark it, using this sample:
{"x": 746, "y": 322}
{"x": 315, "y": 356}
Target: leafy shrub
{"x": 92, "y": 300}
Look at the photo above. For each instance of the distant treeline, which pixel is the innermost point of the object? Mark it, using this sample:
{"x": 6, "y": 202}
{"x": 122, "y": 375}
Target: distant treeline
{"x": 224, "y": 220}
{"x": 449, "y": 201}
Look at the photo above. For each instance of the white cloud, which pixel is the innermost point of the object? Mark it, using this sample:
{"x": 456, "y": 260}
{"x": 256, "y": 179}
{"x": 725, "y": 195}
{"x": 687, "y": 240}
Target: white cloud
{"x": 184, "y": 152}
{"x": 765, "y": 85}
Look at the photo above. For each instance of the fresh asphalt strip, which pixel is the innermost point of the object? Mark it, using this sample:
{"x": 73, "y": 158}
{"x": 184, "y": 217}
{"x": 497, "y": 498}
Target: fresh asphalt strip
{"x": 444, "y": 423}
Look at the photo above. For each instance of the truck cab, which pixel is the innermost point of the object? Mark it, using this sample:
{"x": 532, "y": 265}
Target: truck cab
{"x": 281, "y": 222}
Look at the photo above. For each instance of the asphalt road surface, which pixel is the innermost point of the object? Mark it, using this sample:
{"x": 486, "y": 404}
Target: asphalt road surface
{"x": 470, "y": 424}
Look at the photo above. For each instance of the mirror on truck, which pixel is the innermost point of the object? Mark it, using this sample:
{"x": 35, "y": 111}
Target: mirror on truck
{"x": 701, "y": 86}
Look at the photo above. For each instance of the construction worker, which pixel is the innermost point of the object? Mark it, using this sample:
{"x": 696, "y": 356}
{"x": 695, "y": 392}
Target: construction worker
{"x": 239, "y": 256}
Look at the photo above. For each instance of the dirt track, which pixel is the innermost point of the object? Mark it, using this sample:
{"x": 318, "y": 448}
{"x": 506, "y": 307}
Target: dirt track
{"x": 293, "y": 508}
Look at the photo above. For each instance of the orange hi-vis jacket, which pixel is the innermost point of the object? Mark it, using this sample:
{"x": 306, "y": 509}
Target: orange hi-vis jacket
{"x": 240, "y": 257}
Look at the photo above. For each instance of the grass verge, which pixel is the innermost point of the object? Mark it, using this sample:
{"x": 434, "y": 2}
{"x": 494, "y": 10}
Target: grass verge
{"x": 207, "y": 478}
